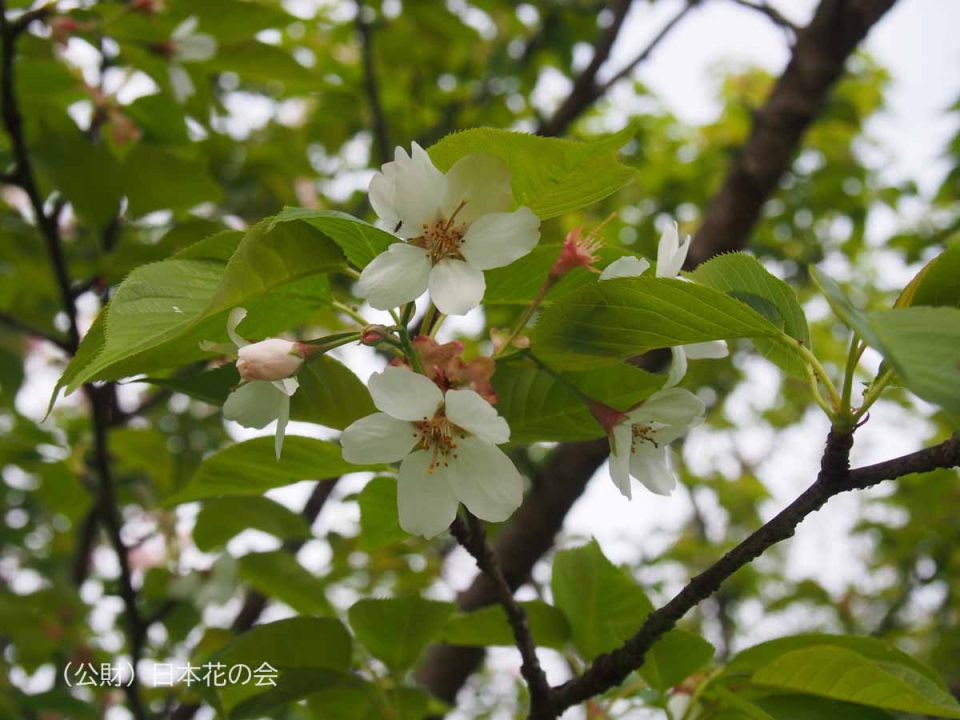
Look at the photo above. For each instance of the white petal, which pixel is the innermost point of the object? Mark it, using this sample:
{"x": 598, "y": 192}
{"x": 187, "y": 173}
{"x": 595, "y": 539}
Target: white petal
{"x": 671, "y": 252}
{"x": 234, "y": 319}
{"x": 181, "y": 83}
{"x": 404, "y": 394}
{"x": 673, "y": 406}
{"x": 710, "y": 350}
{"x": 198, "y": 47}
{"x": 394, "y": 277}
{"x": 254, "y": 404}
{"x": 498, "y": 239}
{"x": 468, "y": 410}
{"x": 620, "y": 458}
{"x": 484, "y": 479}
{"x": 420, "y": 190}
{"x": 627, "y": 266}
{"x": 425, "y": 500}
{"x": 185, "y": 29}
{"x": 481, "y": 184}
{"x": 283, "y": 417}
{"x": 288, "y": 386}
{"x": 455, "y": 287}
{"x": 678, "y": 367}
{"x": 383, "y": 198}
{"x": 652, "y": 466}
{"x": 377, "y": 438}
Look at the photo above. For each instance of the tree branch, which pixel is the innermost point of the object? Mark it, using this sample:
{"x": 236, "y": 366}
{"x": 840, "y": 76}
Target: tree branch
{"x": 835, "y": 477}
{"x": 818, "y": 58}
{"x": 774, "y": 15}
{"x": 15, "y": 323}
{"x": 381, "y": 133}
{"x": 472, "y": 535}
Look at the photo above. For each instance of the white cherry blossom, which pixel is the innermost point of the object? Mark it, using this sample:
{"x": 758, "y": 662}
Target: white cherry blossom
{"x": 188, "y": 46}
{"x": 267, "y": 369}
{"x": 447, "y": 443}
{"x": 671, "y": 254}
{"x": 639, "y": 442}
{"x": 455, "y": 225}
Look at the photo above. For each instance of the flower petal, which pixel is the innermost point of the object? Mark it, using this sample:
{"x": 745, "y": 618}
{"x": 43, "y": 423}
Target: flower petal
{"x": 181, "y": 82}
{"x": 377, "y": 438}
{"x": 627, "y": 266}
{"x": 710, "y": 350}
{"x": 654, "y": 468}
{"x": 678, "y": 367}
{"x": 404, "y": 394}
{"x": 673, "y": 406}
{"x": 455, "y": 287}
{"x": 484, "y": 479}
{"x": 425, "y": 501}
{"x": 233, "y": 321}
{"x": 394, "y": 277}
{"x": 283, "y": 417}
{"x": 480, "y": 182}
{"x": 498, "y": 239}
{"x": 671, "y": 252}
{"x": 185, "y": 29}
{"x": 419, "y": 192}
{"x": 471, "y": 412}
{"x": 254, "y": 404}
{"x": 196, "y": 47}
{"x": 620, "y": 458}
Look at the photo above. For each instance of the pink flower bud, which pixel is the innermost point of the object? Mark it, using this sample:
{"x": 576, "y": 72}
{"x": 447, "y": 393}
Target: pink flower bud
{"x": 270, "y": 359}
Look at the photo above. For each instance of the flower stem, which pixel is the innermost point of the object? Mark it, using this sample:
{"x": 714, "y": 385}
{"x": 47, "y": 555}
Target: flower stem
{"x": 409, "y": 350}
{"x": 525, "y": 317}
{"x": 347, "y": 310}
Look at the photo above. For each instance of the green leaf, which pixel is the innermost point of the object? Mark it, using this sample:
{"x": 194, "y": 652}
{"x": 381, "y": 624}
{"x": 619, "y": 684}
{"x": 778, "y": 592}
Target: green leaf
{"x": 739, "y": 274}
{"x": 923, "y": 345}
{"x": 379, "y": 519}
{"x": 936, "y": 284}
{"x": 549, "y": 175}
{"x": 221, "y": 518}
{"x": 842, "y": 674}
{"x": 251, "y": 467}
{"x": 156, "y": 178}
{"x": 210, "y": 386}
{"x": 360, "y": 241}
{"x": 277, "y": 574}
{"x": 162, "y": 311}
{"x": 540, "y": 407}
{"x": 265, "y": 65}
{"x": 626, "y": 317}
{"x": 330, "y": 394}
{"x": 489, "y": 626}
{"x": 807, "y": 707}
{"x": 396, "y": 630}
{"x": 674, "y": 658}
{"x": 603, "y": 605}
{"x": 852, "y": 317}
{"x": 86, "y": 173}
{"x": 355, "y": 699}
{"x": 317, "y": 649}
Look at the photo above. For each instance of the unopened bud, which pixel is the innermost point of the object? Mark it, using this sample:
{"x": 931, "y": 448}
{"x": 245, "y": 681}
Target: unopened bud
{"x": 271, "y": 359}
{"x": 373, "y": 334}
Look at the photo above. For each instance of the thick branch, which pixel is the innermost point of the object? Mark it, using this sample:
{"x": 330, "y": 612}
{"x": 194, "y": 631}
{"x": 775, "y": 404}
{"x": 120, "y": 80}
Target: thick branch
{"x": 835, "y": 477}
{"x": 819, "y": 55}
{"x": 371, "y": 83}
{"x": 472, "y": 535}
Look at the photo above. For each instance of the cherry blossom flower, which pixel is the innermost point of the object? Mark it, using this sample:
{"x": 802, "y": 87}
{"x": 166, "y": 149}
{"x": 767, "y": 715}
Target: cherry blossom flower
{"x": 267, "y": 369}
{"x": 640, "y": 438}
{"x": 671, "y": 254}
{"x": 447, "y": 443}
{"x": 456, "y": 226}
{"x": 186, "y": 45}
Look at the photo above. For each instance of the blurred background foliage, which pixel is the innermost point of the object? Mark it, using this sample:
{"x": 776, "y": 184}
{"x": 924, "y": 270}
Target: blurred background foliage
{"x": 295, "y": 105}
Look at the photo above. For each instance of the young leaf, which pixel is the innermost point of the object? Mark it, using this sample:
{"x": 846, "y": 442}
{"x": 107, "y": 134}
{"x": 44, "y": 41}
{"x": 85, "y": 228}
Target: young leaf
{"x": 277, "y": 574}
{"x": 489, "y": 626}
{"x": 360, "y": 241}
{"x": 738, "y": 273}
{"x": 251, "y": 467}
{"x": 379, "y": 522}
{"x": 221, "y": 518}
{"x": 396, "y": 630}
{"x": 549, "y": 175}
{"x": 842, "y": 674}
{"x": 626, "y": 317}
{"x": 330, "y": 394}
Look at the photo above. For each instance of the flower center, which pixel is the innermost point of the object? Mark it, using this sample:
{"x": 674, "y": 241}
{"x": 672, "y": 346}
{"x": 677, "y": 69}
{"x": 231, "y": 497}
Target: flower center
{"x": 442, "y": 237}
{"x": 641, "y": 434}
{"x": 440, "y": 436}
